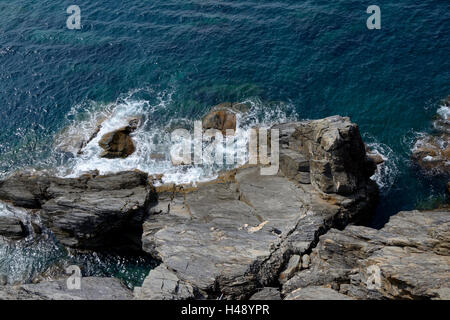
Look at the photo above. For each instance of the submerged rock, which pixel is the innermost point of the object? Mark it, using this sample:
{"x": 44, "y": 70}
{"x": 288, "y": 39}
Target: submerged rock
{"x": 91, "y": 289}
{"x": 431, "y": 152}
{"x": 223, "y": 116}
{"x": 408, "y": 259}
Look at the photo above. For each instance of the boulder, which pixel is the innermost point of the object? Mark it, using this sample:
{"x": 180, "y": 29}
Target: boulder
{"x": 118, "y": 144}
{"x": 409, "y": 258}
{"x": 91, "y": 289}
{"x": 223, "y": 117}
{"x": 292, "y": 267}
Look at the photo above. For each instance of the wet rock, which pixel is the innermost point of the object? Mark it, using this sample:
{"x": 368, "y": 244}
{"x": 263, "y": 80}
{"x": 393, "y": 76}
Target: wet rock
{"x": 408, "y": 259}
{"x": 223, "y": 117}
{"x": 306, "y": 260}
{"x": 267, "y": 294}
{"x": 431, "y": 152}
{"x": 118, "y": 144}
{"x": 12, "y": 228}
{"x": 91, "y": 289}
{"x": 25, "y": 189}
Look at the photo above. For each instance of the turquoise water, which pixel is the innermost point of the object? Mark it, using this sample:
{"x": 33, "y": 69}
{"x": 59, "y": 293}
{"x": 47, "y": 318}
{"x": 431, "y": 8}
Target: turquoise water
{"x": 170, "y": 60}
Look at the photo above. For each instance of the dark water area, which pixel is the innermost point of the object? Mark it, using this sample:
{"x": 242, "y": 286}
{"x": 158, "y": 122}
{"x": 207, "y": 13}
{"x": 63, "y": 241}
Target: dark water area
{"x": 312, "y": 59}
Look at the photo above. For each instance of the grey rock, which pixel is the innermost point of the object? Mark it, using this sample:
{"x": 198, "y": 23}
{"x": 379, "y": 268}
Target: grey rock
{"x": 306, "y": 260}
{"x": 230, "y": 237}
{"x": 86, "y": 212}
{"x": 431, "y": 152}
{"x": 222, "y": 117}
{"x": 267, "y": 294}
{"x": 292, "y": 266}
{"x": 338, "y": 162}
{"x": 163, "y": 284}
{"x": 118, "y": 143}
{"x": 91, "y": 289}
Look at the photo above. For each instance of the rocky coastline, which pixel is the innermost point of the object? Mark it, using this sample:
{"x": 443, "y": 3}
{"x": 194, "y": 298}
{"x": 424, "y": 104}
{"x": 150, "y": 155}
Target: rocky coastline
{"x": 295, "y": 235}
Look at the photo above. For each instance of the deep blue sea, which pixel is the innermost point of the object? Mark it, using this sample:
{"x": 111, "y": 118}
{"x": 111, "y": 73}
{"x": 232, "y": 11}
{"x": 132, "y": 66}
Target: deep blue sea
{"x": 171, "y": 60}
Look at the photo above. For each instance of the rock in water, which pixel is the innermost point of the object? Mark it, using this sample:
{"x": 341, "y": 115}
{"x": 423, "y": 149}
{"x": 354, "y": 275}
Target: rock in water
{"x": 408, "y": 259}
{"x": 223, "y": 117}
{"x": 232, "y": 237}
{"x": 431, "y": 152}
{"x": 163, "y": 284}
{"x": 118, "y": 144}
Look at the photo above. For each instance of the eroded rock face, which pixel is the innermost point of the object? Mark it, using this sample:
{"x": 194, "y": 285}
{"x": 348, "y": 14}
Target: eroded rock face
{"x": 431, "y": 152}
{"x": 91, "y": 289}
{"x": 233, "y": 237}
{"x": 118, "y": 144}
{"x": 411, "y": 254}
{"x": 331, "y": 150}
{"x": 86, "y": 212}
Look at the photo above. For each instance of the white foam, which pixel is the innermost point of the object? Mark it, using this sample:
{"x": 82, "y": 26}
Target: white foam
{"x": 386, "y": 172}
{"x": 444, "y": 112}
{"x": 153, "y": 137}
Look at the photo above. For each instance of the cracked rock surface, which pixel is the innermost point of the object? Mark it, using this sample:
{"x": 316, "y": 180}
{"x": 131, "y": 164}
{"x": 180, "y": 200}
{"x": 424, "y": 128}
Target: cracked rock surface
{"x": 407, "y": 259}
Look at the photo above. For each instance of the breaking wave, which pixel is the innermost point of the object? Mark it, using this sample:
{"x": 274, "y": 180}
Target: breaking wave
{"x": 387, "y": 172}
{"x": 153, "y": 138}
